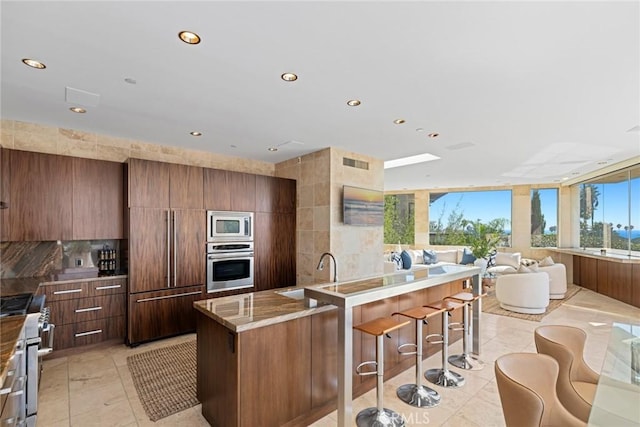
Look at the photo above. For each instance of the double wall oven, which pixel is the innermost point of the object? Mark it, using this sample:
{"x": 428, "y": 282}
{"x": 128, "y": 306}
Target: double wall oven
{"x": 229, "y": 251}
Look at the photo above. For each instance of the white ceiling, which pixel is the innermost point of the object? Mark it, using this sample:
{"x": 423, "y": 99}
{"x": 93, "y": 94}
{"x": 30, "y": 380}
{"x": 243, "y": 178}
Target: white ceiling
{"x": 520, "y": 92}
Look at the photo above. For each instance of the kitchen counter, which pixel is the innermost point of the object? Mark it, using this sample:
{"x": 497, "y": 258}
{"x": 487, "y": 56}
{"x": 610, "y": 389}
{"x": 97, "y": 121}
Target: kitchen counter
{"x": 595, "y": 253}
{"x": 10, "y": 328}
{"x": 244, "y": 312}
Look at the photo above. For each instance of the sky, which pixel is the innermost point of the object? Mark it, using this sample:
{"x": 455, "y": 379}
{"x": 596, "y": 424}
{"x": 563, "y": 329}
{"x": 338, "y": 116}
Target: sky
{"x": 613, "y": 205}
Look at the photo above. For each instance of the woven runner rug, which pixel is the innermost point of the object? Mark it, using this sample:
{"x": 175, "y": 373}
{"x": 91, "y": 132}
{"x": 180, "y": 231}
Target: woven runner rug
{"x": 165, "y": 379}
{"x": 491, "y": 305}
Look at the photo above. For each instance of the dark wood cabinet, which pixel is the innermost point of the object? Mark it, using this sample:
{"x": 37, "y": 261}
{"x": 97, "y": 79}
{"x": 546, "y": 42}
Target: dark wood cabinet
{"x": 5, "y": 199}
{"x": 41, "y": 191}
{"x": 166, "y": 248}
{"x": 98, "y": 199}
{"x": 615, "y": 279}
{"x": 160, "y": 314}
{"x": 229, "y": 191}
{"x": 275, "y": 250}
{"x": 275, "y": 194}
{"x": 86, "y": 312}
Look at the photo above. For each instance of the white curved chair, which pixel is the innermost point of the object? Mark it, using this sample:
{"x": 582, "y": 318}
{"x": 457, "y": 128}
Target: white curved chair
{"x": 557, "y": 280}
{"x": 523, "y": 293}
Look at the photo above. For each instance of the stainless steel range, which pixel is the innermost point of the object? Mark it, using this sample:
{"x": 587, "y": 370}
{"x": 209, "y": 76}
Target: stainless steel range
{"x": 23, "y": 376}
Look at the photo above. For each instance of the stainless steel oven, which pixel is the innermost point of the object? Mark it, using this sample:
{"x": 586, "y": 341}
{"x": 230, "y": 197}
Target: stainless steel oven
{"x": 229, "y": 266}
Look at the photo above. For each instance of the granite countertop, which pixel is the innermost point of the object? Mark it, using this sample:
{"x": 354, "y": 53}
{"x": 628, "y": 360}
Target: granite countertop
{"x": 10, "y": 329}
{"x": 257, "y": 309}
{"x": 595, "y": 253}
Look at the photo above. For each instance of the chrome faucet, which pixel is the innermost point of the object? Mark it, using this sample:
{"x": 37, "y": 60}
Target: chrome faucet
{"x": 335, "y": 265}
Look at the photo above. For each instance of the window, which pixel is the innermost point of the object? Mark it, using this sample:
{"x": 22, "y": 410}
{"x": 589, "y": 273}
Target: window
{"x": 544, "y": 217}
{"x": 451, "y": 213}
{"x": 399, "y": 218}
{"x": 610, "y": 211}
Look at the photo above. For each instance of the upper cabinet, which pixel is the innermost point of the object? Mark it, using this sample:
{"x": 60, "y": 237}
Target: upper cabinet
{"x": 51, "y": 197}
{"x": 98, "y": 199}
{"x": 41, "y": 191}
{"x": 164, "y": 185}
{"x": 229, "y": 191}
{"x": 275, "y": 194}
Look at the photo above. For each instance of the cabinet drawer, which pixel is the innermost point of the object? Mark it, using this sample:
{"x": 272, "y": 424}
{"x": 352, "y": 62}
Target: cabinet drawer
{"x": 65, "y": 291}
{"x": 86, "y": 309}
{"x": 77, "y": 334}
{"x": 107, "y": 287}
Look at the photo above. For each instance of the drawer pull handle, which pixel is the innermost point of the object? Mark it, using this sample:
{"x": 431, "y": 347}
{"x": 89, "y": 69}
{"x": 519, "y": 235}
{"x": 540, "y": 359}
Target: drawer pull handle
{"x": 84, "y": 334}
{"x": 169, "y": 296}
{"x": 83, "y": 310}
{"x": 70, "y": 291}
{"x": 100, "y": 288}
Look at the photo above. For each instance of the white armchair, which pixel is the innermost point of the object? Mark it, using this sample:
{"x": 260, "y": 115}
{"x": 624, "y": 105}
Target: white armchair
{"x": 557, "y": 280}
{"x": 523, "y": 293}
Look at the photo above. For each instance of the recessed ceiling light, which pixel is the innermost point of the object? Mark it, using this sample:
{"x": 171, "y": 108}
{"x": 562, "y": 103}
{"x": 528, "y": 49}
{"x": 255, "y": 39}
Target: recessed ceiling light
{"x": 189, "y": 37}
{"x": 233, "y": 146}
{"x": 289, "y": 77}
{"x": 195, "y": 133}
{"x": 353, "y": 102}
{"x": 433, "y": 135}
{"x": 33, "y": 63}
{"x": 399, "y": 121}
{"x": 78, "y": 110}
{"x": 420, "y": 130}
{"x": 564, "y": 178}
{"x": 411, "y": 160}
{"x": 272, "y": 149}
{"x": 130, "y": 80}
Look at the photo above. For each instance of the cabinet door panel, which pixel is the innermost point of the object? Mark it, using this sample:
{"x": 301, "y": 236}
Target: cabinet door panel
{"x": 148, "y": 184}
{"x": 41, "y": 197}
{"x": 242, "y": 188}
{"x": 98, "y": 199}
{"x": 148, "y": 250}
{"x": 188, "y": 240}
{"x": 185, "y": 187}
{"x": 160, "y": 314}
{"x": 5, "y": 195}
{"x": 217, "y": 194}
{"x": 275, "y": 250}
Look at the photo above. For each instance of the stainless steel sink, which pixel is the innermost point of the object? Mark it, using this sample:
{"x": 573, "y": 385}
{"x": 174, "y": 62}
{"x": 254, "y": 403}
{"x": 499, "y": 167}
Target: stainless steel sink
{"x": 298, "y": 295}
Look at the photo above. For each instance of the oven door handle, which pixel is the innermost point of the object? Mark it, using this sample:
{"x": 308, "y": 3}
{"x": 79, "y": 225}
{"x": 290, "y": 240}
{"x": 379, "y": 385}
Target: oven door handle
{"x": 47, "y": 350}
{"x": 231, "y": 255}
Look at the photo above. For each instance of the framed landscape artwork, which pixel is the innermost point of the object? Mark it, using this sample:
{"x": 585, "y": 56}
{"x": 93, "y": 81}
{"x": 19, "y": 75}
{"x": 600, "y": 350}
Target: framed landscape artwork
{"x": 362, "y": 206}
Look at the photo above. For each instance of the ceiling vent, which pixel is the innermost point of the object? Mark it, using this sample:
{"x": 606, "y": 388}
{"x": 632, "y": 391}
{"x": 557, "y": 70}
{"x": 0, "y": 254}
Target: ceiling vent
{"x": 353, "y": 163}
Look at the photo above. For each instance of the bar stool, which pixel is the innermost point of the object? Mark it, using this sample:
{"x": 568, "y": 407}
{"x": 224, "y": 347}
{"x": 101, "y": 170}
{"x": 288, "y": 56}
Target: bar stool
{"x": 379, "y": 416}
{"x": 418, "y": 394}
{"x": 443, "y": 376}
{"x": 465, "y": 360}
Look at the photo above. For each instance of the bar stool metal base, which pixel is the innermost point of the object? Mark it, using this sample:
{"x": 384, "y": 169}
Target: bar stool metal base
{"x": 444, "y": 378}
{"x": 418, "y": 396}
{"x": 372, "y": 417}
{"x": 466, "y": 361}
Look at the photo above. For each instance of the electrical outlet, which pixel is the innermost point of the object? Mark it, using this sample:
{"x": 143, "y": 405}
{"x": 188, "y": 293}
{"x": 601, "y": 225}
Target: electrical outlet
{"x": 78, "y": 262}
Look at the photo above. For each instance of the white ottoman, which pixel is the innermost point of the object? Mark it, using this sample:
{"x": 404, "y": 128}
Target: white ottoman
{"x": 524, "y": 292}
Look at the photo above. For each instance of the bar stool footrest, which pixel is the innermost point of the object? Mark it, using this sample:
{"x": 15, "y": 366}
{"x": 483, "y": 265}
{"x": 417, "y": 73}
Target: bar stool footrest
{"x": 433, "y": 342}
{"x": 418, "y": 396}
{"x": 368, "y": 363}
{"x": 371, "y": 417}
{"x": 408, "y": 353}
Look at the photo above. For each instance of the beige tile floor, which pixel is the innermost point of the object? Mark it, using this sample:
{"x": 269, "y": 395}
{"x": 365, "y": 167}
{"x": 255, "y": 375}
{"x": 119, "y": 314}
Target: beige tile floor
{"x": 95, "y": 388}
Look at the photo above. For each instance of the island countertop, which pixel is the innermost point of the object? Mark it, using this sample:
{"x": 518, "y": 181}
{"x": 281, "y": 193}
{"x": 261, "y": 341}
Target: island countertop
{"x": 253, "y": 310}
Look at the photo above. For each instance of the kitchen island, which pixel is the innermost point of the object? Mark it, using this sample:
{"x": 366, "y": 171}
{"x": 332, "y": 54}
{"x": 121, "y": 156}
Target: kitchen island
{"x": 267, "y": 359}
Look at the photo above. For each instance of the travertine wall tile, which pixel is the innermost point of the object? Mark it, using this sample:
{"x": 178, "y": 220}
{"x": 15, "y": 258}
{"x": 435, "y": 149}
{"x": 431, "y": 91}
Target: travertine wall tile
{"x": 36, "y": 128}
{"x": 112, "y": 153}
{"x": 321, "y": 219}
{"x": 6, "y": 137}
{"x": 304, "y": 219}
{"x": 305, "y": 241}
{"x": 39, "y": 142}
{"x": 321, "y": 195}
{"x": 305, "y": 196}
{"x": 77, "y": 148}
